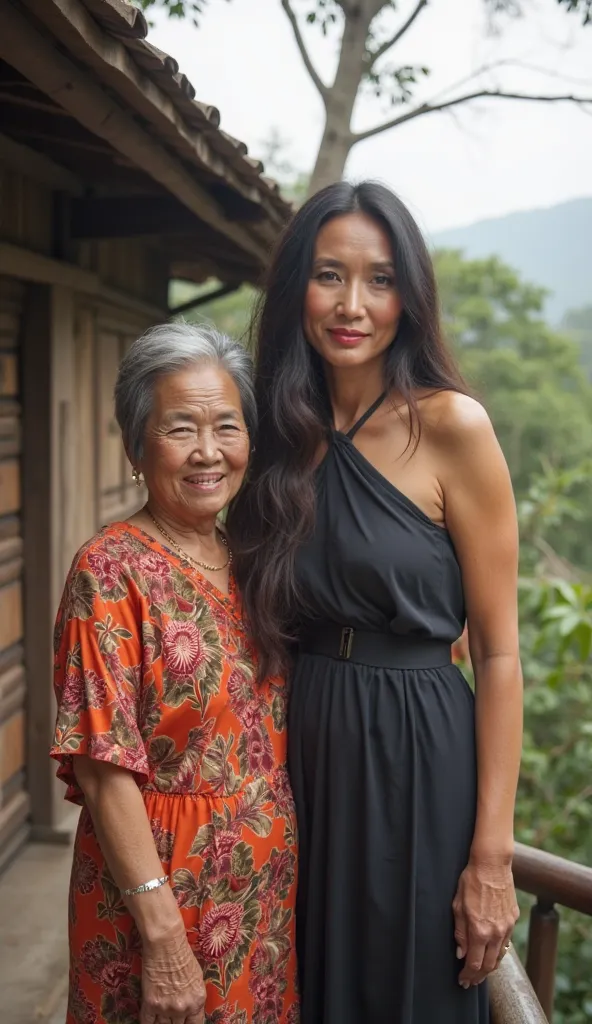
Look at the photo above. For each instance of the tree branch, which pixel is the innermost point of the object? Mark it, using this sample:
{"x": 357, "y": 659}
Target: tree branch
{"x": 430, "y": 108}
{"x": 322, "y": 88}
{"x": 384, "y": 47}
{"x": 509, "y": 62}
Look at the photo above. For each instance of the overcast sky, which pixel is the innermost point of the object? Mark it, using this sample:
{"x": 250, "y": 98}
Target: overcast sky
{"x": 489, "y": 159}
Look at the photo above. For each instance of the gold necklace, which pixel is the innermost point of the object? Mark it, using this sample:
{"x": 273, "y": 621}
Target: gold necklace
{"x": 187, "y": 557}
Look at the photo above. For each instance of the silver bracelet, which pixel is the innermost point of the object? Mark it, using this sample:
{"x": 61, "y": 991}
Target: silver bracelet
{"x": 154, "y": 883}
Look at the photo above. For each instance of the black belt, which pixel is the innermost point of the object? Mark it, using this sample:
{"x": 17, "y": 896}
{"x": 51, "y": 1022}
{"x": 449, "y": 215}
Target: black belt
{"x": 381, "y": 650}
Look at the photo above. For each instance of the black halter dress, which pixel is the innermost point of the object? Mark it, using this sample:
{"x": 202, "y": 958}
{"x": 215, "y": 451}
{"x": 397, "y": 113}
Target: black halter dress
{"x": 382, "y": 757}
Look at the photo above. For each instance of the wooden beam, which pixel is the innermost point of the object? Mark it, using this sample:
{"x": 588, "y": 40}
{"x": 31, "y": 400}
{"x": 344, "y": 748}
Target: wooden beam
{"x": 24, "y": 48}
{"x": 131, "y": 304}
{"x": 130, "y": 217}
{"x": 32, "y": 266}
{"x": 38, "y": 167}
{"x": 12, "y": 99}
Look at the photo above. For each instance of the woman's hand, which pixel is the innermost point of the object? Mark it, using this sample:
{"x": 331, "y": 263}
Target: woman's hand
{"x": 485, "y": 912}
{"x": 173, "y": 988}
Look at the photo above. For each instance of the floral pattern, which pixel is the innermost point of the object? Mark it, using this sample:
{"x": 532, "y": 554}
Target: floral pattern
{"x": 154, "y": 672}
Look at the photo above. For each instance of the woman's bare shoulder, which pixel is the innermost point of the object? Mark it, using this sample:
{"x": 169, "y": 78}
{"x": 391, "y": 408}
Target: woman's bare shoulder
{"x": 455, "y": 421}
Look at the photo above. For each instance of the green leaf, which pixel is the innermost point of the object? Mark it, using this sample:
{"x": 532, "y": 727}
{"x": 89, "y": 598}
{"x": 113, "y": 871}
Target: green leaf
{"x": 568, "y": 592}
{"x": 569, "y": 623}
{"x": 583, "y": 637}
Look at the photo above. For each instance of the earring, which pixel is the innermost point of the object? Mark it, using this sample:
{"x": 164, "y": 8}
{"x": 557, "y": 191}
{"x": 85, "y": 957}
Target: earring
{"x": 137, "y": 478}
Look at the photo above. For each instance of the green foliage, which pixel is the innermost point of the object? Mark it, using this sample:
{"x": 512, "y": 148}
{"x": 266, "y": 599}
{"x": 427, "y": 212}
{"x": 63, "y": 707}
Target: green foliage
{"x": 554, "y": 801}
{"x": 551, "y": 505}
{"x": 541, "y": 404}
{"x": 396, "y": 84}
{"x": 529, "y": 378}
{"x": 554, "y": 805}
{"x": 578, "y": 324}
{"x": 324, "y": 14}
{"x": 230, "y": 314}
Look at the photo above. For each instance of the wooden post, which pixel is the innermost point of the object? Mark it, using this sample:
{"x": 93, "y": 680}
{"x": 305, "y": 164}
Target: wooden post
{"x": 36, "y": 370}
{"x": 50, "y": 512}
{"x": 541, "y": 960}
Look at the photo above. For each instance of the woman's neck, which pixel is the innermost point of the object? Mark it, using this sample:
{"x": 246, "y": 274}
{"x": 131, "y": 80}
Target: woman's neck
{"x": 200, "y": 531}
{"x": 352, "y": 390}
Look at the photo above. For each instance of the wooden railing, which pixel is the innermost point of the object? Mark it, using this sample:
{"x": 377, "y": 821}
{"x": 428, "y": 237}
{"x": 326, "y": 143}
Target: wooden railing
{"x": 512, "y": 998}
{"x": 554, "y": 881}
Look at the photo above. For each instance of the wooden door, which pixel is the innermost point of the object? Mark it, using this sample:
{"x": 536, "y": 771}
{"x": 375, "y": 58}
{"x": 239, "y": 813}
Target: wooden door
{"x": 14, "y": 799}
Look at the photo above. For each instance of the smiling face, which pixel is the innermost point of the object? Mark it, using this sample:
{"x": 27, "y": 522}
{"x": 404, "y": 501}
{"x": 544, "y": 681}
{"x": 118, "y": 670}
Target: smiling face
{"x": 196, "y": 445}
{"x": 352, "y": 307}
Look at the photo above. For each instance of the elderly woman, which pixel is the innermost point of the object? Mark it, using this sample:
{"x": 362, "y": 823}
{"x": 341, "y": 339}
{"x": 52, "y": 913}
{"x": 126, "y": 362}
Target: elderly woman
{"x": 182, "y": 890}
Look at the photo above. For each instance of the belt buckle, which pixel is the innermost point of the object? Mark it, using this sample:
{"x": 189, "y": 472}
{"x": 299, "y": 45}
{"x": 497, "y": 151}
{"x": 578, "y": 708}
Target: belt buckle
{"x": 346, "y": 642}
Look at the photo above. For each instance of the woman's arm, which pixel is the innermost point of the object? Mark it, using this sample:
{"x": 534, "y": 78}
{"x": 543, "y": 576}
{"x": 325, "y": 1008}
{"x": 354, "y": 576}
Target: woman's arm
{"x": 117, "y": 809}
{"x": 172, "y": 982}
{"x": 481, "y": 517}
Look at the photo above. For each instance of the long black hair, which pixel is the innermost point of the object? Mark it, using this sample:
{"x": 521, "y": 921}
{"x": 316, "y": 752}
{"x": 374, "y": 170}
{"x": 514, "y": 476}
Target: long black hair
{"x": 274, "y": 512}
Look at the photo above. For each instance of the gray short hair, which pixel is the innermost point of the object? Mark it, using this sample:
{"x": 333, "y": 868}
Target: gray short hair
{"x": 168, "y": 348}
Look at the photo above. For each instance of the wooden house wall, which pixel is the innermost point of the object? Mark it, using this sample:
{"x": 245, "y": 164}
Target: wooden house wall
{"x": 129, "y": 264}
{"x": 14, "y": 799}
{"x": 134, "y": 266}
{"x": 25, "y": 211}
{"x": 60, "y": 349}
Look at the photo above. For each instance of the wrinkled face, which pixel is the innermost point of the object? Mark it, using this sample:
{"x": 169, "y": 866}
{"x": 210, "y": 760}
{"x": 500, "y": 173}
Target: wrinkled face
{"x": 196, "y": 445}
{"x": 352, "y": 308}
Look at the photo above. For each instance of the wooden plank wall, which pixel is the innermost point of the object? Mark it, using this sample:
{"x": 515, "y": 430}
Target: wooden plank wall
{"x": 135, "y": 266}
{"x": 14, "y": 799}
{"x": 131, "y": 265}
{"x": 58, "y": 379}
{"x": 118, "y": 495}
{"x": 25, "y": 210}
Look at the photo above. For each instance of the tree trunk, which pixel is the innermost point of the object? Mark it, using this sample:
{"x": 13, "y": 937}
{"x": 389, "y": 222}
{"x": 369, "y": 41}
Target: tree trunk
{"x": 338, "y": 138}
{"x": 331, "y": 157}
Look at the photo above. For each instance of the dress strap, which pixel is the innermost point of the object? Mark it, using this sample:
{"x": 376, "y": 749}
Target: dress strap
{"x": 366, "y": 416}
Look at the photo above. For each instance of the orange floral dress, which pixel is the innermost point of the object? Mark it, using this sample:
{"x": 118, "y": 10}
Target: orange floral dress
{"x": 155, "y": 672}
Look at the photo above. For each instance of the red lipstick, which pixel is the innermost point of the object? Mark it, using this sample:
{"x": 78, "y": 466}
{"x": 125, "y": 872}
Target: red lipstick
{"x": 346, "y": 337}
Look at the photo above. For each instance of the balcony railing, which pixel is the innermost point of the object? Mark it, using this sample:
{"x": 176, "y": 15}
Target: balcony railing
{"x": 555, "y": 882}
{"x": 512, "y": 999}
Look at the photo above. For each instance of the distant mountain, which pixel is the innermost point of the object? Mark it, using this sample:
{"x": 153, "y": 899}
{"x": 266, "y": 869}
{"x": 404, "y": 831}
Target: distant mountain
{"x": 550, "y": 247}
